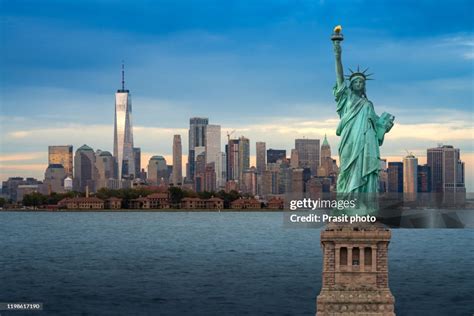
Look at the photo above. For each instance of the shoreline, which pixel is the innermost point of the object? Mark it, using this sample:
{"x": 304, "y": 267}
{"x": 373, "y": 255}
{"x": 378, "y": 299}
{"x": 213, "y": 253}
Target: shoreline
{"x": 146, "y": 210}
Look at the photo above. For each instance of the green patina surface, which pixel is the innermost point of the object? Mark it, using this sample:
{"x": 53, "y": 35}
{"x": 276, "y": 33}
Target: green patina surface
{"x": 362, "y": 133}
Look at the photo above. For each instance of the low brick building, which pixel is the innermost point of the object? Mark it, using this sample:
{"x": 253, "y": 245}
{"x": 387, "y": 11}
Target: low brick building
{"x": 81, "y": 203}
{"x": 275, "y": 203}
{"x": 113, "y": 203}
{"x": 250, "y": 203}
{"x": 197, "y": 203}
{"x": 139, "y": 203}
{"x": 159, "y": 200}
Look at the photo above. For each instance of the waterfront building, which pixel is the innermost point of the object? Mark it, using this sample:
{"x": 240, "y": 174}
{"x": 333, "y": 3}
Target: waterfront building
{"x": 207, "y": 204}
{"x": 82, "y": 203}
{"x": 410, "y": 177}
{"x": 157, "y": 170}
{"x": 54, "y": 177}
{"x": 61, "y": 155}
{"x": 260, "y": 153}
{"x": 123, "y": 133}
{"x": 242, "y": 203}
{"x": 159, "y": 200}
{"x": 113, "y": 203}
{"x": 395, "y": 177}
{"x": 197, "y": 138}
{"x": 308, "y": 154}
{"x": 177, "y": 176}
{"x": 275, "y": 203}
{"x": 273, "y": 155}
{"x": 85, "y": 171}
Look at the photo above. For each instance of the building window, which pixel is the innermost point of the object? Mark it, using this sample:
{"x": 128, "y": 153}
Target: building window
{"x": 355, "y": 256}
{"x": 343, "y": 256}
{"x": 368, "y": 256}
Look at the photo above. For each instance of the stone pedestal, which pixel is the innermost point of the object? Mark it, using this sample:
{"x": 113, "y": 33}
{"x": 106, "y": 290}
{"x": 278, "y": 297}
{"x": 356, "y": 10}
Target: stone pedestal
{"x": 355, "y": 271}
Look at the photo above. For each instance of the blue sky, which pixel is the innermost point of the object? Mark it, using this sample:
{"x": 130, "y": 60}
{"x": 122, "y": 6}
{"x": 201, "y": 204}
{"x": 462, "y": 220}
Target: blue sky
{"x": 263, "y": 68}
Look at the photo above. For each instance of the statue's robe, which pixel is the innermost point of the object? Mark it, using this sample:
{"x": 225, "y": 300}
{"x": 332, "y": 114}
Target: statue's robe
{"x": 359, "y": 152}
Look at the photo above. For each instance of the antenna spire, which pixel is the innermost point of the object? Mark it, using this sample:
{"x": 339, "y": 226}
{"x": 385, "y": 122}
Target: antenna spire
{"x": 123, "y": 76}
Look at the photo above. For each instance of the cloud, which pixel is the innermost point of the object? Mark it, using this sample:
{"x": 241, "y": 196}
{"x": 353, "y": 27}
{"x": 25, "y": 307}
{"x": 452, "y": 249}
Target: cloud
{"x": 21, "y": 156}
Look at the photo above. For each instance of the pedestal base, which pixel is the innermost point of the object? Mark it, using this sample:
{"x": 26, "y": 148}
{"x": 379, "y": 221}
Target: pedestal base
{"x": 345, "y": 303}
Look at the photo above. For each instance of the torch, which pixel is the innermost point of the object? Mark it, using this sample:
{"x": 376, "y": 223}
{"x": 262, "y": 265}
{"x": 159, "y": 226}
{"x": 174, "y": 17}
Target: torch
{"x": 336, "y": 35}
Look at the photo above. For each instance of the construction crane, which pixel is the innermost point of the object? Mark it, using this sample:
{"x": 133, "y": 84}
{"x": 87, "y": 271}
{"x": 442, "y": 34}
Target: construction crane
{"x": 229, "y": 134}
{"x": 409, "y": 153}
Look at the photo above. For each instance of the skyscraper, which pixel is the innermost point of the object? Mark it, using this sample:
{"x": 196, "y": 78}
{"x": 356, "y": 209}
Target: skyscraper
{"x": 261, "y": 150}
{"x": 383, "y": 176}
{"x": 157, "y": 170}
{"x": 294, "y": 160}
{"x": 197, "y": 138}
{"x": 85, "y": 171}
{"x": 410, "y": 177}
{"x": 137, "y": 156}
{"x": 123, "y": 133}
{"x": 244, "y": 155}
{"x": 213, "y": 147}
{"x": 232, "y": 154}
{"x": 308, "y": 154}
{"x": 328, "y": 166}
{"x": 177, "y": 177}
{"x": 54, "y": 178}
{"x": 447, "y": 169}
{"x": 395, "y": 177}
{"x": 105, "y": 164}
{"x": 273, "y": 155}
{"x": 424, "y": 179}
{"x": 249, "y": 181}
{"x": 61, "y": 155}
{"x": 435, "y": 162}
{"x": 221, "y": 170}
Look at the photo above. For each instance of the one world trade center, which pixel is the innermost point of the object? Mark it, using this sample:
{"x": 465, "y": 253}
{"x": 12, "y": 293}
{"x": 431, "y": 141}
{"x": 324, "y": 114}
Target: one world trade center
{"x": 123, "y": 133}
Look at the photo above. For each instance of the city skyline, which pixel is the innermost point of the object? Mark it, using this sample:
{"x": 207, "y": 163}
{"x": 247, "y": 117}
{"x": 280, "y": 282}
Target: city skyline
{"x": 268, "y": 78}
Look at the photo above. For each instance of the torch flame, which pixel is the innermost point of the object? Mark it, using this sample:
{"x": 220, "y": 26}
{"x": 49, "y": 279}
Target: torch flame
{"x": 338, "y": 29}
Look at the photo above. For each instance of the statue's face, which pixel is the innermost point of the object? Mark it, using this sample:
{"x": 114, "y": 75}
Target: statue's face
{"x": 358, "y": 84}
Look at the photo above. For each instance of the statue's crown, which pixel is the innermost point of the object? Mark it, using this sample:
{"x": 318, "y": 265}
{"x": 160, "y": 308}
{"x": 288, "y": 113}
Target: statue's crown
{"x": 358, "y": 73}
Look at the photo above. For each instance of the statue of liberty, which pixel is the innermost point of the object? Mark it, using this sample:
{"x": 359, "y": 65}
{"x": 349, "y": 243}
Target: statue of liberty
{"x": 360, "y": 129}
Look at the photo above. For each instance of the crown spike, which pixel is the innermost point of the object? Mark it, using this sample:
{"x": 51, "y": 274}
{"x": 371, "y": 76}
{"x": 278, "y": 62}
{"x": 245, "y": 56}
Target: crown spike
{"x": 352, "y": 71}
{"x": 365, "y": 70}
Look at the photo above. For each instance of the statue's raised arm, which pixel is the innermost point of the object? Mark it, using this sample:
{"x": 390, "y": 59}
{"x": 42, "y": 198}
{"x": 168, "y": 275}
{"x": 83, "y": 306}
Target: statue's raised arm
{"x": 337, "y": 38}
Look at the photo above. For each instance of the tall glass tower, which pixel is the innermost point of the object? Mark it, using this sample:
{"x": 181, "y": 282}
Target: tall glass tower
{"x": 123, "y": 133}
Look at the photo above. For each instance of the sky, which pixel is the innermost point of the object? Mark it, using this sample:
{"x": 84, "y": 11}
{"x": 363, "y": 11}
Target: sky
{"x": 262, "y": 68}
